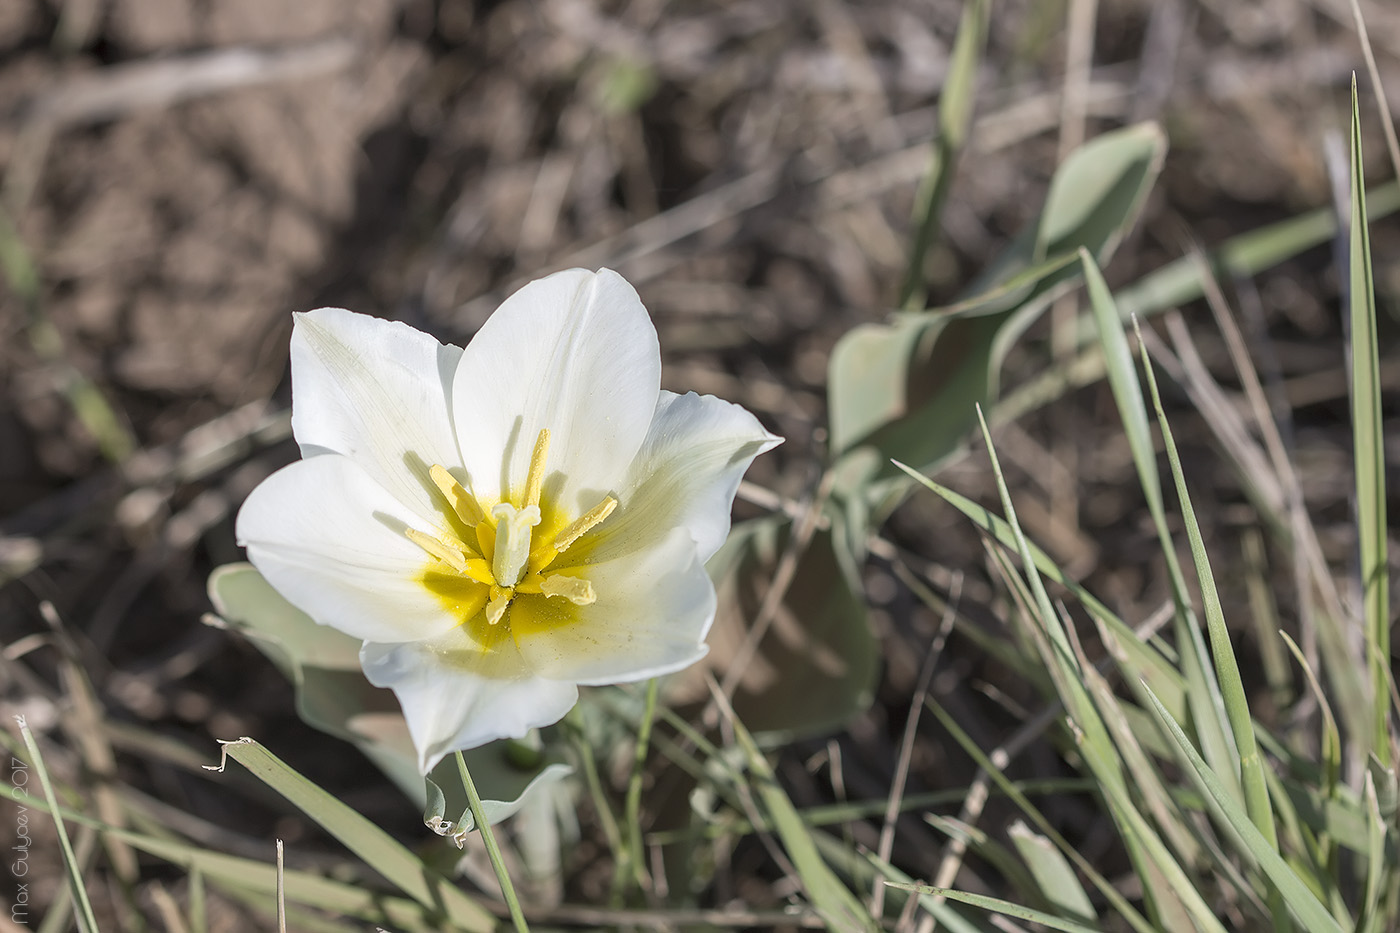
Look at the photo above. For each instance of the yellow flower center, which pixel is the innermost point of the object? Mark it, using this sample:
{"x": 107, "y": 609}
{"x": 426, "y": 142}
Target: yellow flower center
{"x": 495, "y": 561}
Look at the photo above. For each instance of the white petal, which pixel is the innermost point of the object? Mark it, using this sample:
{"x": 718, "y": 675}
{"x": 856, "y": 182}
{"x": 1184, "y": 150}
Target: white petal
{"x": 575, "y": 353}
{"x": 378, "y": 392}
{"x": 685, "y": 475}
{"x": 454, "y": 697}
{"x": 328, "y": 538}
{"x": 653, "y": 610}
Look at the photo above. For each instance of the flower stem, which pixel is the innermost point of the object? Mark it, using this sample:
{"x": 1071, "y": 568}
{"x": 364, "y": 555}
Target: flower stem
{"x": 492, "y": 849}
{"x": 634, "y": 785}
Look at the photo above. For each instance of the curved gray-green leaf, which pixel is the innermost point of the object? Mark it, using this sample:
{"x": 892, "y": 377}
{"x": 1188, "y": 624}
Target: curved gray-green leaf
{"x": 907, "y": 389}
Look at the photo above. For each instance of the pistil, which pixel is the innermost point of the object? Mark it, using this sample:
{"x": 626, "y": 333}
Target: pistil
{"x": 512, "y": 540}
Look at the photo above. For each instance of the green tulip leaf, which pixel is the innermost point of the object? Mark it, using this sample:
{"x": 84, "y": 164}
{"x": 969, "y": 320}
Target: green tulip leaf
{"x": 818, "y": 663}
{"x": 908, "y": 389}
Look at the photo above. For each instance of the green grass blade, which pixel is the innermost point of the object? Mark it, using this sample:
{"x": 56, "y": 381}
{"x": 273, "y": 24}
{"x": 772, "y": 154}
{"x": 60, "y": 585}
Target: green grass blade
{"x": 1376, "y": 869}
{"x": 83, "y": 907}
{"x": 997, "y": 905}
{"x": 1053, "y": 874}
{"x": 1250, "y": 763}
{"x": 1150, "y": 658}
{"x": 377, "y": 848}
{"x": 259, "y": 879}
{"x": 955, "y": 104}
{"x": 1207, "y": 704}
{"x": 841, "y": 909}
{"x": 863, "y": 867}
{"x": 1179, "y": 281}
{"x": 1135, "y": 919}
{"x": 493, "y": 850}
{"x": 198, "y": 913}
{"x": 635, "y": 855}
{"x": 1368, "y": 440}
{"x": 1292, "y": 890}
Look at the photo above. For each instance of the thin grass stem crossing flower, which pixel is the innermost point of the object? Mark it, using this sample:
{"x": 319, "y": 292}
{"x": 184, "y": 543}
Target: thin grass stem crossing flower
{"x": 503, "y": 522}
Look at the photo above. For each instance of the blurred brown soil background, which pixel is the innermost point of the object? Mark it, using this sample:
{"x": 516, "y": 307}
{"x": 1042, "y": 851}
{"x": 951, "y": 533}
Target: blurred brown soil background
{"x": 181, "y": 174}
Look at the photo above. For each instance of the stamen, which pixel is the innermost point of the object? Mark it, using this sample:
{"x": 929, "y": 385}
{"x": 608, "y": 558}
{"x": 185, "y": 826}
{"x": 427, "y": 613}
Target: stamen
{"x": 496, "y": 608}
{"x": 512, "y": 549}
{"x": 575, "y": 589}
{"x": 591, "y": 519}
{"x": 461, "y": 501}
{"x": 479, "y": 570}
{"x": 442, "y": 550}
{"x": 534, "y": 481}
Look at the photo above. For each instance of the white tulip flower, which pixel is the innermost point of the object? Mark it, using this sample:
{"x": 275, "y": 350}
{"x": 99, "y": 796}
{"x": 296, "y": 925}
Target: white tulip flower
{"x": 501, "y": 523}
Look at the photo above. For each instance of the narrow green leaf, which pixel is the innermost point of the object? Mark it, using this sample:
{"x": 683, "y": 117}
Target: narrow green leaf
{"x": 1368, "y": 439}
{"x": 72, "y": 870}
{"x": 1055, "y": 877}
{"x": 1376, "y": 867}
{"x": 1109, "y": 892}
{"x": 1203, "y": 689}
{"x": 1250, "y": 763}
{"x": 955, "y": 104}
{"x": 1101, "y": 755}
{"x": 377, "y": 848}
{"x": 864, "y": 867}
{"x": 259, "y": 878}
{"x": 1179, "y": 281}
{"x": 1295, "y": 893}
{"x": 832, "y": 899}
{"x": 1331, "y": 743}
{"x": 1152, "y": 660}
{"x": 997, "y": 905}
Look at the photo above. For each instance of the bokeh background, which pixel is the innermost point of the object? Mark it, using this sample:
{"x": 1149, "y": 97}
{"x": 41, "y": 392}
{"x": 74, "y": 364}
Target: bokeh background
{"x": 179, "y": 175}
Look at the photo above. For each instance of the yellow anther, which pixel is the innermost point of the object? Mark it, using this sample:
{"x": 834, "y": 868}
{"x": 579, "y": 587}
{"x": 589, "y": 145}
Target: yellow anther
{"x": 461, "y": 501}
{"x": 591, "y": 519}
{"x": 496, "y": 608}
{"x": 575, "y": 589}
{"x": 534, "y": 480}
{"x": 448, "y": 551}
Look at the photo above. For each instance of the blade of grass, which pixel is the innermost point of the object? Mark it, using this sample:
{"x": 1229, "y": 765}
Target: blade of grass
{"x": 832, "y": 899}
{"x": 633, "y": 806}
{"x": 1057, "y": 881}
{"x": 1203, "y": 692}
{"x": 1304, "y": 904}
{"x": 281, "y": 883}
{"x": 997, "y": 905}
{"x": 1368, "y": 439}
{"x": 865, "y": 867}
{"x": 1153, "y": 658}
{"x": 1092, "y": 740}
{"x": 199, "y": 915}
{"x": 955, "y": 105}
{"x": 1376, "y": 870}
{"x": 1392, "y": 145}
{"x": 258, "y": 878}
{"x": 1135, "y": 919}
{"x": 86, "y": 921}
{"x": 1249, "y": 763}
{"x": 493, "y": 851}
{"x": 377, "y": 848}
